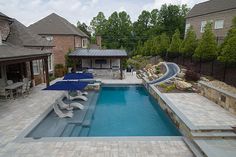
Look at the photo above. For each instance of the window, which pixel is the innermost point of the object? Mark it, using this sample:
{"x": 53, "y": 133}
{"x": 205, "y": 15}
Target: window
{"x": 49, "y": 38}
{"x": 203, "y": 24}
{"x": 219, "y": 24}
{"x": 50, "y": 63}
{"x": 36, "y": 67}
{"x": 187, "y": 27}
{"x": 100, "y": 61}
{"x": 84, "y": 43}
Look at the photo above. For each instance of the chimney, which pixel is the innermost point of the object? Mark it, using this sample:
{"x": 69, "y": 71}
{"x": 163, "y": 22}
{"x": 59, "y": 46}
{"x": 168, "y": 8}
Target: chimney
{"x": 99, "y": 41}
{"x": 0, "y": 37}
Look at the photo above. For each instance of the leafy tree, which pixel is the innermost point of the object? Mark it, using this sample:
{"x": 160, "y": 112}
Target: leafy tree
{"x": 83, "y": 27}
{"x": 189, "y": 44}
{"x": 137, "y": 61}
{"x": 172, "y": 17}
{"x": 173, "y": 50}
{"x": 69, "y": 61}
{"x": 164, "y": 44}
{"x": 98, "y": 24}
{"x": 207, "y": 47}
{"x": 228, "y": 47}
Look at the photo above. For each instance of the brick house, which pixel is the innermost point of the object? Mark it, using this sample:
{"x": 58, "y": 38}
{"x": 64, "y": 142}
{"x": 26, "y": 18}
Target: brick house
{"x": 18, "y": 50}
{"x": 219, "y": 12}
{"x": 64, "y": 35}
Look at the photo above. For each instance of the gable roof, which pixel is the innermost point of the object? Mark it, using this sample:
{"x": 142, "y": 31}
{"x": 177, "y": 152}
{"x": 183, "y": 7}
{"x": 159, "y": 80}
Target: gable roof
{"x": 98, "y": 53}
{"x": 211, "y": 6}
{"x": 11, "y": 52}
{"x": 55, "y": 24}
{"x": 20, "y": 35}
{"x": 5, "y": 17}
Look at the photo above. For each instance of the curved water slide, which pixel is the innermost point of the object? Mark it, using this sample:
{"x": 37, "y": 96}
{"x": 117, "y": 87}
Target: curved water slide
{"x": 172, "y": 70}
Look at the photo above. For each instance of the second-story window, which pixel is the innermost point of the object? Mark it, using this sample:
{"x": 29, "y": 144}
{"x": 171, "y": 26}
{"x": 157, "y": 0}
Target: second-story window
{"x": 84, "y": 43}
{"x": 219, "y": 24}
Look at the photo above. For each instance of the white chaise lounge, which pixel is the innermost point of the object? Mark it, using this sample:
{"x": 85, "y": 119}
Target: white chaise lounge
{"x": 71, "y": 106}
{"x": 81, "y": 97}
{"x": 60, "y": 113}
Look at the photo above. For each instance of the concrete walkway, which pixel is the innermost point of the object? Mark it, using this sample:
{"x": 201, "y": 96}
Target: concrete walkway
{"x": 16, "y": 115}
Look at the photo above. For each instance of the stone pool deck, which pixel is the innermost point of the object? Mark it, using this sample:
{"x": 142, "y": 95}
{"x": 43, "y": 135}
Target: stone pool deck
{"x": 16, "y": 115}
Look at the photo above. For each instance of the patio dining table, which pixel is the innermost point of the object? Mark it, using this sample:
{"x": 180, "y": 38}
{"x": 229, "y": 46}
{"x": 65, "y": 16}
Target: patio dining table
{"x": 14, "y": 86}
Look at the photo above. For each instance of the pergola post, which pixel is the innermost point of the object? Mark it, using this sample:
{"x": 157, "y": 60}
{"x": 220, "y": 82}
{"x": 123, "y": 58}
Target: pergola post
{"x": 45, "y": 65}
{"x": 31, "y": 73}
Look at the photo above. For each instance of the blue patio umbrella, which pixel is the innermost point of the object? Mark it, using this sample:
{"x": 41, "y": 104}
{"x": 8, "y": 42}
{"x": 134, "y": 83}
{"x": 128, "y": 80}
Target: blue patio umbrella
{"x": 78, "y": 76}
{"x": 67, "y": 86}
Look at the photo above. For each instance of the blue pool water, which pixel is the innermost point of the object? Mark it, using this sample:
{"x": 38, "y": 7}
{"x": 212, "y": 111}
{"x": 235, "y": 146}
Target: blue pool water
{"x": 129, "y": 111}
{"x": 113, "y": 111}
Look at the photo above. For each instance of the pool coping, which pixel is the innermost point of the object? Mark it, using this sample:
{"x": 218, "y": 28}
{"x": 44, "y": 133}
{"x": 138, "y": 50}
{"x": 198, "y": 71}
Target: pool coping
{"x": 21, "y": 138}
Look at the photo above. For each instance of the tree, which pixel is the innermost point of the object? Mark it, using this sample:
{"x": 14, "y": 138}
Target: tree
{"x": 137, "y": 61}
{"x": 83, "y": 27}
{"x": 173, "y": 50}
{"x": 164, "y": 44}
{"x": 98, "y": 24}
{"x": 172, "y": 17}
{"x": 69, "y": 61}
{"x": 189, "y": 44}
{"x": 207, "y": 47}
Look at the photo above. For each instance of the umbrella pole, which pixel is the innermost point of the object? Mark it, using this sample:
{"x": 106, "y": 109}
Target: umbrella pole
{"x": 69, "y": 99}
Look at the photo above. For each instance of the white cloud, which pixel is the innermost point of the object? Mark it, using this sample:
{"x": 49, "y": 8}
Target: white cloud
{"x": 30, "y": 11}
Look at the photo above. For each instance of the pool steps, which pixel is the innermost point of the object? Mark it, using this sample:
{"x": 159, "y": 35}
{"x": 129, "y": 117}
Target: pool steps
{"x": 81, "y": 127}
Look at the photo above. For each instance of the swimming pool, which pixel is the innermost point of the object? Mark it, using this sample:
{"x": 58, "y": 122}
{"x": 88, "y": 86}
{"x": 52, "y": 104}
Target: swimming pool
{"x": 115, "y": 111}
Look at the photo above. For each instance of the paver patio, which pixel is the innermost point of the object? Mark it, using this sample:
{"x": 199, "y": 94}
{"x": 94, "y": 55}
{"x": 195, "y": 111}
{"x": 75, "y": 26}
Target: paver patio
{"x": 16, "y": 115}
{"x": 201, "y": 111}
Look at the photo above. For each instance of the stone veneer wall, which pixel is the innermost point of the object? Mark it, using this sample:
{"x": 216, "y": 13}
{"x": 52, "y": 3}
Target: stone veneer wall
{"x": 223, "y": 98}
{"x": 163, "y": 104}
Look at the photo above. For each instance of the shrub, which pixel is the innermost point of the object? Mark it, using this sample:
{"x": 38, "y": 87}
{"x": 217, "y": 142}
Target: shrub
{"x": 173, "y": 50}
{"x": 170, "y": 88}
{"x": 158, "y": 70}
{"x": 207, "y": 47}
{"x": 191, "y": 76}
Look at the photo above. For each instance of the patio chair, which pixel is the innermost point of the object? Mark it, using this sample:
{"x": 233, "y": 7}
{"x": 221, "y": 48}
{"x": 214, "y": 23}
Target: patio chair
{"x": 60, "y": 113}
{"x": 74, "y": 97}
{"x": 9, "y": 82}
{"x": 25, "y": 88}
{"x": 4, "y": 93}
{"x": 82, "y": 93}
{"x": 70, "y": 106}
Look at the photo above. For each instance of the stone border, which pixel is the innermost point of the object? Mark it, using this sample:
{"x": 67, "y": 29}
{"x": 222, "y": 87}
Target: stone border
{"x": 218, "y": 89}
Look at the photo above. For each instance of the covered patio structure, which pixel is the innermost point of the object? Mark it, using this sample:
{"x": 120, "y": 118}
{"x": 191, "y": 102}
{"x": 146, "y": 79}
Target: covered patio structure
{"x": 16, "y": 63}
{"x": 102, "y": 62}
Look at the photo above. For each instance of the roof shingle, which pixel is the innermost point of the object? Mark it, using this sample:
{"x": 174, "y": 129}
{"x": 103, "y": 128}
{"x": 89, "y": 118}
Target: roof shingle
{"x": 98, "y": 53}
{"x": 55, "y": 24}
{"x": 20, "y": 35}
{"x": 211, "y": 6}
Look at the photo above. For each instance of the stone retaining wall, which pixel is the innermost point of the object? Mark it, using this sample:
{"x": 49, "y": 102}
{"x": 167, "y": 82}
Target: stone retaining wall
{"x": 223, "y": 98}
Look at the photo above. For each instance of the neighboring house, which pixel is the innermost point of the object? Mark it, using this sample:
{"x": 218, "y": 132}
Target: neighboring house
{"x": 103, "y": 62}
{"x": 16, "y": 61}
{"x": 20, "y": 35}
{"x": 64, "y": 35}
{"x": 219, "y": 12}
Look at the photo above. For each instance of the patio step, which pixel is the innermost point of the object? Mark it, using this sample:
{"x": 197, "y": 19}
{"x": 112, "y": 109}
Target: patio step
{"x": 76, "y": 131}
{"x": 68, "y": 130}
{"x": 214, "y": 134}
{"x": 84, "y": 132}
{"x": 193, "y": 147}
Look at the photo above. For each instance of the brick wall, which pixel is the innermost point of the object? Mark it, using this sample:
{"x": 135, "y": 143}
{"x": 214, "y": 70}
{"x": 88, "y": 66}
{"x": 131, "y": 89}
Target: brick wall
{"x": 62, "y": 44}
{"x": 227, "y": 16}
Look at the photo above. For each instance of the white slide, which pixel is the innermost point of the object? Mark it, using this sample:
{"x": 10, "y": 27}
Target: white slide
{"x": 60, "y": 113}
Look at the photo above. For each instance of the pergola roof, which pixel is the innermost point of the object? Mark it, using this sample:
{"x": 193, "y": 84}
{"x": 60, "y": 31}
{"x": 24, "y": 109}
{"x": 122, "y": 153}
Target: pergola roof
{"x": 98, "y": 53}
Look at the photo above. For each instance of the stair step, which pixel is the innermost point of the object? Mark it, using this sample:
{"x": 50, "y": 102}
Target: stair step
{"x": 84, "y": 132}
{"x": 68, "y": 130}
{"x": 214, "y": 134}
{"x": 196, "y": 151}
{"x": 76, "y": 131}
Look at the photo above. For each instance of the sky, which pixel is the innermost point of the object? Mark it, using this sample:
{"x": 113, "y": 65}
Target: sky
{"x": 30, "y": 11}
